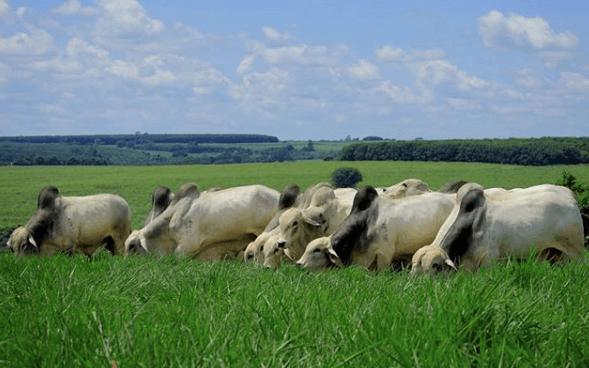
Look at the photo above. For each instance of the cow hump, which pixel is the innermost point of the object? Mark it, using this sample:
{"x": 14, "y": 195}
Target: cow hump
{"x": 288, "y": 196}
{"x": 364, "y": 198}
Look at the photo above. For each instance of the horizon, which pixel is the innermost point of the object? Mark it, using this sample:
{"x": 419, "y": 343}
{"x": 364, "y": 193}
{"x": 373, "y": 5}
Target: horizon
{"x": 305, "y": 70}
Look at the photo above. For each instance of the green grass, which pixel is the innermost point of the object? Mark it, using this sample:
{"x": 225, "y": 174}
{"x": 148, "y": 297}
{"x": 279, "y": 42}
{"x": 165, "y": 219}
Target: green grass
{"x": 171, "y": 312}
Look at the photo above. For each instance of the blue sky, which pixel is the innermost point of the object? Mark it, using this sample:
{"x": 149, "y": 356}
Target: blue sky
{"x": 295, "y": 69}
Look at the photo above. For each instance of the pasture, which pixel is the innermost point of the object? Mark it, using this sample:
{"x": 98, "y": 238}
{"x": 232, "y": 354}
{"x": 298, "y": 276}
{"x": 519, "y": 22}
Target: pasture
{"x": 170, "y": 312}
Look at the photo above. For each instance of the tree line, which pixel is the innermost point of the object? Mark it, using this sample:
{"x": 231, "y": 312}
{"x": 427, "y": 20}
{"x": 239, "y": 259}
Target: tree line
{"x": 532, "y": 151}
{"x": 143, "y": 138}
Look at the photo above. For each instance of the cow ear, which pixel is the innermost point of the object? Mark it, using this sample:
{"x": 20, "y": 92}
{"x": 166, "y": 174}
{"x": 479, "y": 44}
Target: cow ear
{"x": 450, "y": 264}
{"x": 334, "y": 258}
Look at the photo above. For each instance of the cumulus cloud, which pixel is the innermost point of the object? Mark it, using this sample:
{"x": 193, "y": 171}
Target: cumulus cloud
{"x": 442, "y": 71}
{"x": 124, "y": 18}
{"x": 516, "y": 31}
{"x": 273, "y": 35}
{"x": 553, "y": 58}
{"x": 364, "y": 70}
{"x": 405, "y": 95}
{"x": 36, "y": 42}
{"x": 528, "y": 78}
{"x": 73, "y": 7}
{"x": 261, "y": 88}
{"x": 245, "y": 64}
{"x": 394, "y": 54}
{"x": 575, "y": 81}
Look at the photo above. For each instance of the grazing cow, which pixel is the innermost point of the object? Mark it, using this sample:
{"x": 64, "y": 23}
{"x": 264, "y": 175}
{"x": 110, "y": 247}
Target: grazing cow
{"x": 406, "y": 188}
{"x": 273, "y": 251}
{"x": 411, "y": 187}
{"x": 210, "y": 225}
{"x": 290, "y": 196}
{"x": 482, "y": 229}
{"x": 325, "y": 210}
{"x": 379, "y": 230}
{"x": 161, "y": 199}
{"x": 70, "y": 224}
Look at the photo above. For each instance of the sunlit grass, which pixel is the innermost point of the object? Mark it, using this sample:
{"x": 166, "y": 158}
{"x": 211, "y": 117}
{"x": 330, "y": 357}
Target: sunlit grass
{"x": 144, "y": 311}
{"x": 19, "y": 186}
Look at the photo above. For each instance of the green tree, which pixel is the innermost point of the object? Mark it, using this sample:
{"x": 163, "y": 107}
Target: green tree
{"x": 346, "y": 177}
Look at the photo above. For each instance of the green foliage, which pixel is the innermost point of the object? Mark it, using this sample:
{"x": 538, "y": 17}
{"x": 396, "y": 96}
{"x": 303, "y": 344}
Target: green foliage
{"x": 537, "y": 152}
{"x": 581, "y": 190}
{"x": 346, "y": 177}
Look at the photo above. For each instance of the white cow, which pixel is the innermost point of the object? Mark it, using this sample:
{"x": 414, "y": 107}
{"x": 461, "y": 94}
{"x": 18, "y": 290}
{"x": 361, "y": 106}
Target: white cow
{"x": 326, "y": 209}
{"x": 289, "y": 197}
{"x": 209, "y": 226}
{"x": 70, "y": 224}
{"x": 482, "y": 228}
{"x": 379, "y": 230}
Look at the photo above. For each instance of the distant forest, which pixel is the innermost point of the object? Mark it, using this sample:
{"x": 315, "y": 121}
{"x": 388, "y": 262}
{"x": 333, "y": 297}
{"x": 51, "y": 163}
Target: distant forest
{"x": 181, "y": 149}
{"x": 532, "y": 151}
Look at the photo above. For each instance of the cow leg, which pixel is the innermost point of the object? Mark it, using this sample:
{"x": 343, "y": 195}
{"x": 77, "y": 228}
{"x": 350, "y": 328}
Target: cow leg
{"x": 109, "y": 244}
{"x": 382, "y": 260}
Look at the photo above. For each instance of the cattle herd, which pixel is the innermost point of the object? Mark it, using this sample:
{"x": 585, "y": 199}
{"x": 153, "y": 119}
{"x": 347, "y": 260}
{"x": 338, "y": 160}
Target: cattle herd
{"x": 406, "y": 225}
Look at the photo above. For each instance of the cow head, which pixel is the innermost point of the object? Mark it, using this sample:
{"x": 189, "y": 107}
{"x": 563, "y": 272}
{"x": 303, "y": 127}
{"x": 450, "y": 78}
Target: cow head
{"x": 298, "y": 230}
{"x": 431, "y": 259}
{"x": 465, "y": 225}
{"x": 135, "y": 243}
{"x": 22, "y": 243}
{"x": 406, "y": 188}
{"x": 353, "y": 234}
{"x": 273, "y": 250}
{"x": 319, "y": 254}
{"x": 254, "y": 252}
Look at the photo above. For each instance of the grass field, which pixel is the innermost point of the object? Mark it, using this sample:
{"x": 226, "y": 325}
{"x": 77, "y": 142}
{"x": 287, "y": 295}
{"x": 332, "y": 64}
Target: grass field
{"x": 173, "y": 312}
{"x": 19, "y": 186}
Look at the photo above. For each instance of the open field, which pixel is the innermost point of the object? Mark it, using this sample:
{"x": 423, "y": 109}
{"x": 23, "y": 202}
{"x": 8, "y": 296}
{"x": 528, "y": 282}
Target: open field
{"x": 172, "y": 312}
{"x": 19, "y": 186}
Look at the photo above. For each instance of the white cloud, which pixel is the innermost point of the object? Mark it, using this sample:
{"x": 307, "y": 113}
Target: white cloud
{"x": 391, "y": 54}
{"x": 274, "y": 35}
{"x": 364, "y": 70}
{"x": 405, "y": 95}
{"x": 58, "y": 65}
{"x": 528, "y": 78}
{"x": 575, "y": 81}
{"x": 499, "y": 31}
{"x": 553, "y": 58}
{"x": 77, "y": 47}
{"x": 123, "y": 18}
{"x": 442, "y": 71}
{"x": 36, "y": 42}
{"x": 462, "y": 104}
{"x": 4, "y": 9}
{"x": 257, "y": 91}
{"x": 73, "y": 7}
{"x": 397, "y": 55}
{"x": 22, "y": 11}
{"x": 245, "y": 64}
